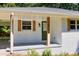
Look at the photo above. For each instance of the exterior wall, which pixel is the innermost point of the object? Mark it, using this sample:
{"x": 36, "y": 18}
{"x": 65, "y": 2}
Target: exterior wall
{"x": 56, "y": 30}
{"x": 70, "y": 42}
{"x": 64, "y": 24}
{"x": 28, "y": 36}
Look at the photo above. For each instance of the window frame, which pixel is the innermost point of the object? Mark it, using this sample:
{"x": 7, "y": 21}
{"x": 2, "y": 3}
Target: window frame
{"x": 30, "y": 25}
{"x": 76, "y": 24}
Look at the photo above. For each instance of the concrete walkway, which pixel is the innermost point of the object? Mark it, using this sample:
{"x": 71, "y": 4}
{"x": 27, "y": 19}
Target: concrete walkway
{"x": 3, "y": 52}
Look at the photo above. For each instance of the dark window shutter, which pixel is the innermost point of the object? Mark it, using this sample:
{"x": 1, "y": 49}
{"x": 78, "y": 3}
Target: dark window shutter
{"x": 68, "y": 24}
{"x": 34, "y": 25}
{"x": 19, "y": 24}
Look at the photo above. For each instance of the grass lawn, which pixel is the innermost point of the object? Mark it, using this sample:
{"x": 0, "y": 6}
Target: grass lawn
{"x": 46, "y": 52}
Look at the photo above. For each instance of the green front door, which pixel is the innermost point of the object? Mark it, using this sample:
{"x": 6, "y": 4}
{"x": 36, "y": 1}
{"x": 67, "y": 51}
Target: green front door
{"x": 44, "y": 30}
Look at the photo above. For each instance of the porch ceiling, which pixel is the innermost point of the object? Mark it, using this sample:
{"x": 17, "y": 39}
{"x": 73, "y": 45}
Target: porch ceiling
{"x": 5, "y": 12}
{"x": 42, "y": 10}
{"x": 4, "y": 20}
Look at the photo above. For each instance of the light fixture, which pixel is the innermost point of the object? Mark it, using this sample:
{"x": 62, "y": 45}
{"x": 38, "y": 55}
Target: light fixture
{"x": 39, "y": 24}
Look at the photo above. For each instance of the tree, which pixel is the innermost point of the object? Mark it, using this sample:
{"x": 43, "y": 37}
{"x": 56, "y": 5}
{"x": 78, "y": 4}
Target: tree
{"x": 7, "y": 5}
{"x": 69, "y": 6}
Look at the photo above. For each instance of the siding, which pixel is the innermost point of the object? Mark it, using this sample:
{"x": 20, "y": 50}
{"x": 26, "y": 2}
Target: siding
{"x": 64, "y": 24}
{"x": 27, "y": 36}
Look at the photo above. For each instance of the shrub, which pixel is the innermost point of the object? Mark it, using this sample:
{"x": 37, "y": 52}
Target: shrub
{"x": 75, "y": 54}
{"x": 67, "y": 54}
{"x": 47, "y": 52}
{"x": 4, "y": 31}
{"x": 63, "y": 54}
{"x": 32, "y": 52}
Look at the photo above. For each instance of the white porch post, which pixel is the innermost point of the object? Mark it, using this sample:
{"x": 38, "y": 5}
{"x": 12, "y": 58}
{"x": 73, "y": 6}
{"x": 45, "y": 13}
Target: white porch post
{"x": 48, "y": 31}
{"x": 11, "y": 32}
{"x": 48, "y": 39}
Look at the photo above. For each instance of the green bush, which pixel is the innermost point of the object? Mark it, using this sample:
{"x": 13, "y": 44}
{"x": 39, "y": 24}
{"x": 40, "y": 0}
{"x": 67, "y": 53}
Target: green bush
{"x": 47, "y": 52}
{"x": 75, "y": 54}
{"x": 4, "y": 31}
{"x": 32, "y": 52}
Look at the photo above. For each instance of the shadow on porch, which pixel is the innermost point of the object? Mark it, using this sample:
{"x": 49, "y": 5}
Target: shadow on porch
{"x": 4, "y": 44}
{"x": 25, "y": 46}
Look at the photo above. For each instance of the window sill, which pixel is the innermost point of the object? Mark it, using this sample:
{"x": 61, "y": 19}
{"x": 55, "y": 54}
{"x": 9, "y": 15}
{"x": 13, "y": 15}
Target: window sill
{"x": 74, "y": 30}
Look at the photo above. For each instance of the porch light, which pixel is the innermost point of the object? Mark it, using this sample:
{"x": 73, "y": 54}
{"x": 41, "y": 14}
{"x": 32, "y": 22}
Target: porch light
{"x": 12, "y": 14}
{"x": 39, "y": 24}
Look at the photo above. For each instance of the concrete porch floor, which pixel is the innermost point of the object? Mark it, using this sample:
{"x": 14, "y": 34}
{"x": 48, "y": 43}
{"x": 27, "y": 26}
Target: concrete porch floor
{"x": 34, "y": 46}
{"x": 55, "y": 48}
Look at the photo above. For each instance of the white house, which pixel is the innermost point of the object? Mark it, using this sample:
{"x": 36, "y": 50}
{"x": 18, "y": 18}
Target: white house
{"x": 41, "y": 25}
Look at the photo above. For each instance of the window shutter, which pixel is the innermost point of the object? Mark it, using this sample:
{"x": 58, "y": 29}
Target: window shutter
{"x": 19, "y": 24}
{"x": 68, "y": 24}
{"x": 34, "y": 25}
{"x": 48, "y": 24}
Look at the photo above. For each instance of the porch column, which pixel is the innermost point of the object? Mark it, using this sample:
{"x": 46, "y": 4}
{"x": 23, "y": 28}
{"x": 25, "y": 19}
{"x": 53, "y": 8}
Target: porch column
{"x": 48, "y": 31}
{"x": 11, "y": 32}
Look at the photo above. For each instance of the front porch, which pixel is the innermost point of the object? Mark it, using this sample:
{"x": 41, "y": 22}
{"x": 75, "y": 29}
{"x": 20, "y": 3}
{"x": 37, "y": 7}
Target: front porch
{"x": 70, "y": 43}
{"x": 53, "y": 38}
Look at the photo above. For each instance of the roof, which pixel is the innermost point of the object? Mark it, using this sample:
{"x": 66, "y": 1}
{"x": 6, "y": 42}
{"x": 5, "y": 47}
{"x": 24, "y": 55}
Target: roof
{"x": 42, "y": 10}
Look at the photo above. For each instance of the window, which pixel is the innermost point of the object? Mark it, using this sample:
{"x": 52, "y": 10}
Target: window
{"x": 74, "y": 24}
{"x": 26, "y": 25}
